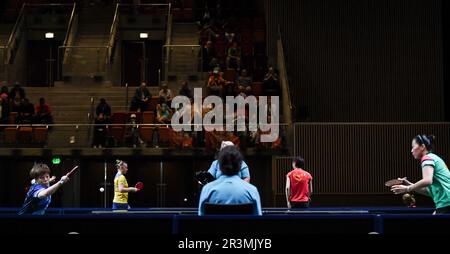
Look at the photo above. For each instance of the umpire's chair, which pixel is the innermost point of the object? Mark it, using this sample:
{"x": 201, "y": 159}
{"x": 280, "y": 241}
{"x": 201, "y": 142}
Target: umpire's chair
{"x": 227, "y": 209}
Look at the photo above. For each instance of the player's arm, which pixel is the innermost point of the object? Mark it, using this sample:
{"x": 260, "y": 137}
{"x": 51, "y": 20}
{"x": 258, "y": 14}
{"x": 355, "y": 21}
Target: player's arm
{"x": 310, "y": 188}
{"x": 123, "y": 189}
{"x": 245, "y": 172}
{"x": 288, "y": 191}
{"x": 420, "y": 186}
{"x": 427, "y": 180}
{"x": 405, "y": 181}
{"x": 424, "y": 191}
{"x": 52, "y": 189}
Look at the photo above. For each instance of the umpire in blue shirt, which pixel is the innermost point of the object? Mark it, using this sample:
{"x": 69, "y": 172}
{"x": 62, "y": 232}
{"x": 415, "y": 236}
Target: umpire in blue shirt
{"x": 229, "y": 188}
{"x": 243, "y": 173}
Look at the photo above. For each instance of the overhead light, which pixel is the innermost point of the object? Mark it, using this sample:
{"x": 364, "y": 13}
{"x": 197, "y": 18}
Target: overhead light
{"x": 49, "y": 35}
{"x": 143, "y": 35}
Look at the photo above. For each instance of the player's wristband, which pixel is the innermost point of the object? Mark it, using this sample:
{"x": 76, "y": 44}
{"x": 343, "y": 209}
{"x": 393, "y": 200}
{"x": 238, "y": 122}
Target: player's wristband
{"x": 61, "y": 182}
{"x": 408, "y": 189}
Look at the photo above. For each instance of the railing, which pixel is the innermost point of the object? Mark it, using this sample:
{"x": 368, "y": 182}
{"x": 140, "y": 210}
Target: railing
{"x": 145, "y": 9}
{"x": 116, "y": 135}
{"x": 191, "y": 63}
{"x": 113, "y": 34}
{"x": 91, "y": 118}
{"x": 168, "y": 42}
{"x": 132, "y": 9}
{"x": 3, "y": 71}
{"x": 89, "y": 61}
{"x": 14, "y": 38}
{"x": 126, "y": 96}
{"x": 72, "y": 29}
{"x": 284, "y": 78}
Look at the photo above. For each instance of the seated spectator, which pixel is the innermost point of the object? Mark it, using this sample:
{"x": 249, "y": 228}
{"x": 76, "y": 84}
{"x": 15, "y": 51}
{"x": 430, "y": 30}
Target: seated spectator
{"x": 100, "y": 131}
{"x": 15, "y": 104}
{"x": 187, "y": 141}
{"x": 215, "y": 63}
{"x": 141, "y": 98}
{"x": 234, "y": 57}
{"x": 186, "y": 91}
{"x": 208, "y": 55}
{"x": 229, "y": 188}
{"x": 26, "y": 112}
{"x": 245, "y": 82}
{"x": 215, "y": 83}
{"x": 103, "y": 108}
{"x": 270, "y": 83}
{"x": 43, "y": 113}
{"x": 163, "y": 113}
{"x": 17, "y": 91}
{"x": 133, "y": 131}
{"x": 230, "y": 36}
{"x": 242, "y": 92}
{"x": 4, "y": 91}
{"x": 165, "y": 94}
{"x": 4, "y": 108}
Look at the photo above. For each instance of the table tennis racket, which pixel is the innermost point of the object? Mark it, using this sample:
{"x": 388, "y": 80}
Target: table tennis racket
{"x": 393, "y": 182}
{"x": 72, "y": 172}
{"x": 139, "y": 185}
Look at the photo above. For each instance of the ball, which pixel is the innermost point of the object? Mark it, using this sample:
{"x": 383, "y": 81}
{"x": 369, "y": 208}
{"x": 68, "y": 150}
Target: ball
{"x": 102, "y": 189}
{"x": 185, "y": 200}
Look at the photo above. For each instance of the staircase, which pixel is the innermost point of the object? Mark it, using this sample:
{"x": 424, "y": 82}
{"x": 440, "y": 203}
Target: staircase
{"x": 88, "y": 59}
{"x": 5, "y": 31}
{"x": 184, "y": 61}
{"x": 71, "y": 106}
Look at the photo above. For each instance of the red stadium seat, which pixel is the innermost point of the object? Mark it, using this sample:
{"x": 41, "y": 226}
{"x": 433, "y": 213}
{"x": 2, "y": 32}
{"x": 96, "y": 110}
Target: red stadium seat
{"x": 257, "y": 88}
{"x": 40, "y": 135}
{"x": 118, "y": 134}
{"x": 229, "y": 74}
{"x": 10, "y": 135}
{"x": 146, "y": 134}
{"x": 119, "y": 118}
{"x": 152, "y": 104}
{"x": 12, "y": 117}
{"x": 164, "y": 136}
{"x": 25, "y": 134}
{"x": 148, "y": 117}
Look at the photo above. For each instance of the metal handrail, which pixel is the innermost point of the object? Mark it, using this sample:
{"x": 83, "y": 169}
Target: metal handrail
{"x": 91, "y": 116}
{"x": 284, "y": 61}
{"x": 113, "y": 33}
{"x": 77, "y": 125}
{"x": 49, "y": 5}
{"x": 69, "y": 27}
{"x": 180, "y": 45}
{"x": 126, "y": 96}
{"x": 83, "y": 47}
{"x": 15, "y": 28}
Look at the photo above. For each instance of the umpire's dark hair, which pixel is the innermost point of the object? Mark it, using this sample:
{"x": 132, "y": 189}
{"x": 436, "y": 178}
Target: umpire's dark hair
{"x": 299, "y": 162}
{"x": 427, "y": 140}
{"x": 230, "y": 160}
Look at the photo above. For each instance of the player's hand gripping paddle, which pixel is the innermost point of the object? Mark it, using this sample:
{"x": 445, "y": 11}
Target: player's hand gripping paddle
{"x": 139, "y": 185}
{"x": 393, "y": 182}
